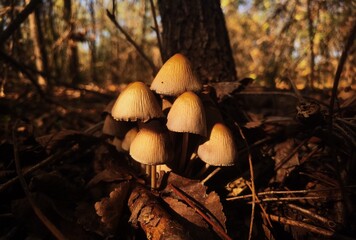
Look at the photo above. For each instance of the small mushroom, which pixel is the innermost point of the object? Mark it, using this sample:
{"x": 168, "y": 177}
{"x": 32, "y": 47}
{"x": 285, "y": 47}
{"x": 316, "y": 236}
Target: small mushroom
{"x": 129, "y": 137}
{"x": 151, "y": 146}
{"x": 176, "y": 77}
{"x": 187, "y": 115}
{"x": 219, "y": 149}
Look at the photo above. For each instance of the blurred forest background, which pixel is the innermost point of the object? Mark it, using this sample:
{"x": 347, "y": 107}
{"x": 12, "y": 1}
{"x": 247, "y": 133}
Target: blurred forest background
{"x": 74, "y": 42}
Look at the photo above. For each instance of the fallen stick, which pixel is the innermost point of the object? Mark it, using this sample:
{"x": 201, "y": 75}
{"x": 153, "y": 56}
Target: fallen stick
{"x": 155, "y": 221}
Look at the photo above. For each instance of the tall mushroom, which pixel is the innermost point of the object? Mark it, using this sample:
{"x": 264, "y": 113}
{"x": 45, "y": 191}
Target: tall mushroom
{"x": 136, "y": 103}
{"x": 175, "y": 77}
{"x": 187, "y": 115}
{"x": 219, "y": 149}
{"x": 151, "y": 146}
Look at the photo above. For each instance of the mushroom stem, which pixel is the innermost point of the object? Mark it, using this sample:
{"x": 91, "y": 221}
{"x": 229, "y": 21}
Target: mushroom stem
{"x": 183, "y": 155}
{"x": 204, "y": 169}
{"x": 210, "y": 175}
{"x": 148, "y": 170}
{"x": 153, "y": 177}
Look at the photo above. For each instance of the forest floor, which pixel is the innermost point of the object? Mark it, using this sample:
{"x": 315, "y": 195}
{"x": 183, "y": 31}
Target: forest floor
{"x": 75, "y": 184}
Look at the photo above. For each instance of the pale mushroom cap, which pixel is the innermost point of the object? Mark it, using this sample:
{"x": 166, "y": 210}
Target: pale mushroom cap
{"x": 136, "y": 102}
{"x": 176, "y": 77}
{"x": 187, "y": 115}
{"x": 220, "y": 149}
{"x": 129, "y": 137}
{"x": 151, "y": 146}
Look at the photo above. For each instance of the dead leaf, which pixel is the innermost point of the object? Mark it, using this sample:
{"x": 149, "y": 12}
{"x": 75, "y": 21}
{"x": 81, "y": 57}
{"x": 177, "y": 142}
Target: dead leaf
{"x": 110, "y": 175}
{"x": 197, "y": 191}
{"x": 282, "y": 150}
{"x": 110, "y": 209}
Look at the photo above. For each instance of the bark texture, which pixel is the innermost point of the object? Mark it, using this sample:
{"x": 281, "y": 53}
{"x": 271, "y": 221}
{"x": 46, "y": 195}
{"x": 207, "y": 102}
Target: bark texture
{"x": 196, "y": 28}
{"x": 155, "y": 221}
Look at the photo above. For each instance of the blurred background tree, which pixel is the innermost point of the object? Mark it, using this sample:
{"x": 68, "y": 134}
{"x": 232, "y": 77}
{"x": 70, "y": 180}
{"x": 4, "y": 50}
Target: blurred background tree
{"x": 73, "y": 42}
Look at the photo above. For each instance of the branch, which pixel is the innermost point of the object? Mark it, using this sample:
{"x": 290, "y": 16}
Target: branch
{"x": 111, "y": 16}
{"x": 340, "y": 67}
{"x": 163, "y": 56}
{"x": 18, "y": 66}
{"x": 21, "y": 17}
{"x": 24, "y": 70}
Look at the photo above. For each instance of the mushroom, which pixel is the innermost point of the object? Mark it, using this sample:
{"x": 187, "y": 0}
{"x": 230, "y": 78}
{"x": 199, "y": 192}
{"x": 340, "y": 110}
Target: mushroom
{"x": 151, "y": 146}
{"x": 219, "y": 149}
{"x": 113, "y": 128}
{"x": 136, "y": 102}
{"x": 129, "y": 137}
{"x": 187, "y": 115}
{"x": 176, "y": 77}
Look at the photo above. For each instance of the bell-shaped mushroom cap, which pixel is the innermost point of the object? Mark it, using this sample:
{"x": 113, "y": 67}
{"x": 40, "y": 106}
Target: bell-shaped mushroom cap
{"x": 136, "y": 102}
{"x": 187, "y": 115}
{"x": 129, "y": 137}
{"x": 220, "y": 149}
{"x": 152, "y": 144}
{"x": 176, "y": 77}
{"x": 115, "y": 128}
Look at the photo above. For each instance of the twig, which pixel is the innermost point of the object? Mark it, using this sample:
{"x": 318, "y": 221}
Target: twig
{"x": 340, "y": 67}
{"x": 163, "y": 57}
{"x": 51, "y": 158}
{"x": 286, "y": 199}
{"x": 313, "y": 215}
{"x": 253, "y": 189}
{"x": 311, "y": 228}
{"x": 287, "y": 192}
{"x": 309, "y": 155}
{"x": 264, "y": 213}
{"x": 217, "y": 227}
{"x": 111, "y": 16}
{"x": 15, "y": 24}
{"x": 49, "y": 225}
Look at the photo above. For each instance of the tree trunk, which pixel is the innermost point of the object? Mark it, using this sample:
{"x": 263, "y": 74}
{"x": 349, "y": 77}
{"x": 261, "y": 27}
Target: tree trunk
{"x": 196, "y": 28}
{"x": 72, "y": 51}
{"x": 92, "y": 42}
{"x": 34, "y": 33}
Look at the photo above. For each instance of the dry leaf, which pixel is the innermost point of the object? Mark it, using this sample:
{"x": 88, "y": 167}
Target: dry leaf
{"x": 197, "y": 191}
{"x": 282, "y": 150}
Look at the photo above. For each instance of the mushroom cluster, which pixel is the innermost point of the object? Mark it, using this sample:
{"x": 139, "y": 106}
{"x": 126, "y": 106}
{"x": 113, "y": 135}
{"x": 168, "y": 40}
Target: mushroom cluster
{"x": 175, "y": 120}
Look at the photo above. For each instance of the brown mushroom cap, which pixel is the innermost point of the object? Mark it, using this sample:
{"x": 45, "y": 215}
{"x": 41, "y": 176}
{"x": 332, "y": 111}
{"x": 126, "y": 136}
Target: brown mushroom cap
{"x": 187, "y": 115}
{"x": 176, "y": 77}
{"x": 136, "y": 102}
{"x": 220, "y": 149}
{"x": 152, "y": 144}
{"x": 129, "y": 137}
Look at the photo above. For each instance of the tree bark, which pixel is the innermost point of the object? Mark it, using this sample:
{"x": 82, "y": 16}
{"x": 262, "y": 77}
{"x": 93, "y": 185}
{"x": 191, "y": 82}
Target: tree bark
{"x": 155, "y": 221}
{"x": 72, "y": 51}
{"x": 196, "y": 28}
{"x": 92, "y": 42}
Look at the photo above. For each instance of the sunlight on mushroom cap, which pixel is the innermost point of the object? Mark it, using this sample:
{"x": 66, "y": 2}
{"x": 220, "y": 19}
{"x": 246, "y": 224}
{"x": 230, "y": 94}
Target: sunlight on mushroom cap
{"x": 187, "y": 115}
{"x": 136, "y": 102}
{"x": 152, "y": 145}
{"x": 220, "y": 149}
{"x": 175, "y": 77}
